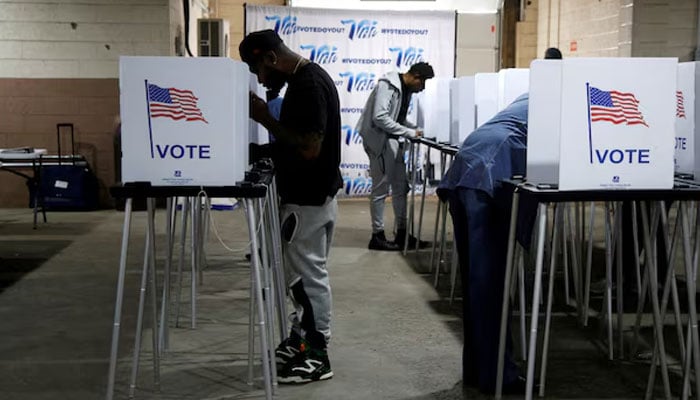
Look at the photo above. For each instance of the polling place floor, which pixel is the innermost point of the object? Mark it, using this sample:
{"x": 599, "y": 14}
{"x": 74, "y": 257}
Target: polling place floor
{"x": 394, "y": 335}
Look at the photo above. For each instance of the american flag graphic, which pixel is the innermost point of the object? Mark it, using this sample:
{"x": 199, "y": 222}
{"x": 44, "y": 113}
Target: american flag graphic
{"x": 173, "y": 103}
{"x": 616, "y": 107}
{"x": 680, "y": 107}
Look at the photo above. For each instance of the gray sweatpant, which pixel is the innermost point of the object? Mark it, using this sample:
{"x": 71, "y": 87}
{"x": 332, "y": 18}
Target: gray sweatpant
{"x": 307, "y": 234}
{"x": 388, "y": 170}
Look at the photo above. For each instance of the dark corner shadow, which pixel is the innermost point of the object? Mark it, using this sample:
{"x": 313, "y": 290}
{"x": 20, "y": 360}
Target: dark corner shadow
{"x": 20, "y": 257}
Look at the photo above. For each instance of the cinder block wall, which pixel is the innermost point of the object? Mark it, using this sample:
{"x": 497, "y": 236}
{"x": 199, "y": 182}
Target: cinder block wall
{"x": 584, "y": 28}
{"x": 665, "y": 28}
{"x": 526, "y": 31}
{"x": 618, "y": 28}
{"x": 59, "y": 64}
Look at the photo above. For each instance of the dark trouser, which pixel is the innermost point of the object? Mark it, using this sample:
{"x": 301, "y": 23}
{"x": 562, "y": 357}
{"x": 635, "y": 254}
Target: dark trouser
{"x": 481, "y": 234}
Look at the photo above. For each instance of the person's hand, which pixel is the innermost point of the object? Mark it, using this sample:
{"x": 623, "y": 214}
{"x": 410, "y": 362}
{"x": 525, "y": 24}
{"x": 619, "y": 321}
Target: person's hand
{"x": 419, "y": 133}
{"x": 258, "y": 108}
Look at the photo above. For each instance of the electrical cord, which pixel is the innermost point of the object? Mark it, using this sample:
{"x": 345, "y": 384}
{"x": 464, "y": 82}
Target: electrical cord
{"x": 203, "y": 195}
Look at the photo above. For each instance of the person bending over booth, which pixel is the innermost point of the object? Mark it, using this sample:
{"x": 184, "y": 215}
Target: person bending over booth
{"x": 480, "y": 208}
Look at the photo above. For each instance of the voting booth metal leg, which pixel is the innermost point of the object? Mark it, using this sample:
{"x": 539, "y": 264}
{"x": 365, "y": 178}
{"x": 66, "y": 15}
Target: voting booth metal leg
{"x": 653, "y": 294}
{"x": 422, "y": 201}
{"x": 619, "y": 278}
{"x": 689, "y": 344}
{"x": 608, "y": 279}
{"x": 443, "y": 239}
{"x": 255, "y": 267}
{"x": 151, "y": 210}
{"x": 565, "y": 257}
{"x": 690, "y": 271}
{"x": 194, "y": 255}
{"x": 537, "y": 291}
{"x": 438, "y": 213}
{"x": 181, "y": 261}
{"x": 251, "y": 330}
{"x": 575, "y": 260}
{"x": 148, "y": 268}
{"x": 119, "y": 301}
{"x": 669, "y": 286}
{"x": 163, "y": 333}
{"x": 506, "y": 292}
{"x": 279, "y": 282}
{"x": 558, "y": 236}
{"x": 268, "y": 292}
{"x": 411, "y": 210}
{"x": 522, "y": 303}
{"x": 589, "y": 261}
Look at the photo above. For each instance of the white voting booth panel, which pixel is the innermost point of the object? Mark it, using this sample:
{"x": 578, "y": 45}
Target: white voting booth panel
{"x": 184, "y": 120}
{"x": 602, "y": 123}
{"x": 544, "y": 121}
{"x": 485, "y": 96}
{"x": 618, "y": 122}
{"x": 463, "y": 110}
{"x": 685, "y": 118}
{"x": 435, "y": 103}
{"x": 512, "y": 82}
{"x": 257, "y": 133}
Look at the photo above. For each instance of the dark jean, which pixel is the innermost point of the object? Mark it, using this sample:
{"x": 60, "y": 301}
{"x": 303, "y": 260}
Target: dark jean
{"x": 481, "y": 225}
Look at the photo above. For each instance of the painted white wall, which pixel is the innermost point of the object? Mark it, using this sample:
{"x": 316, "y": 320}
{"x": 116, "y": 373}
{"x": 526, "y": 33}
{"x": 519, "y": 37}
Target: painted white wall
{"x": 466, "y": 6}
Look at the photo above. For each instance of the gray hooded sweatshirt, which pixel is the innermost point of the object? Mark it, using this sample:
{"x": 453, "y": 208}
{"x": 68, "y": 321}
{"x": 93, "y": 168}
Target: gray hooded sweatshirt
{"x": 378, "y": 120}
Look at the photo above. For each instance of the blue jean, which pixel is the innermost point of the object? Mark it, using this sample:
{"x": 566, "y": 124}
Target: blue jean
{"x": 481, "y": 234}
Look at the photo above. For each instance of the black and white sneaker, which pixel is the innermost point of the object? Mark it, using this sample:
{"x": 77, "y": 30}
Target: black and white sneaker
{"x": 310, "y": 366}
{"x": 288, "y": 349}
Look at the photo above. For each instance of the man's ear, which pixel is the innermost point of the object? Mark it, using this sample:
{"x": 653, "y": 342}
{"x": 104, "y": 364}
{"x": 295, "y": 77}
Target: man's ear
{"x": 270, "y": 58}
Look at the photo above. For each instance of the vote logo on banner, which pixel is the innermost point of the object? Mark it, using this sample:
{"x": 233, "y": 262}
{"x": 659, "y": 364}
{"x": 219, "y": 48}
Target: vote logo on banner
{"x": 364, "y": 29}
{"x": 321, "y": 54}
{"x": 359, "y": 81}
{"x": 352, "y": 135}
{"x": 405, "y": 57}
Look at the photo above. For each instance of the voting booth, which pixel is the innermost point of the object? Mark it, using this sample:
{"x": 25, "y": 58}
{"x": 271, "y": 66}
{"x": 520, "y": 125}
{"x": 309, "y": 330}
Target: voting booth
{"x": 184, "y": 120}
{"x": 463, "y": 110}
{"x": 485, "y": 96}
{"x": 602, "y": 123}
{"x": 512, "y": 82}
{"x": 435, "y": 104}
{"x": 685, "y": 143}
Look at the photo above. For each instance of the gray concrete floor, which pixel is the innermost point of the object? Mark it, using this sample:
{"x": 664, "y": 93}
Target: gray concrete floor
{"x": 394, "y": 335}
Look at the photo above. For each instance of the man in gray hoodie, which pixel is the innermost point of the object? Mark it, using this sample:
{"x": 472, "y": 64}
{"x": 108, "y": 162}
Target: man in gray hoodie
{"x": 384, "y": 129}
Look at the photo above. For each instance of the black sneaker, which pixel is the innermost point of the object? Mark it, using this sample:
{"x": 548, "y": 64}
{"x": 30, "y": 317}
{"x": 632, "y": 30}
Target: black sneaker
{"x": 412, "y": 240}
{"x": 379, "y": 242}
{"x": 289, "y": 348}
{"x": 309, "y": 366}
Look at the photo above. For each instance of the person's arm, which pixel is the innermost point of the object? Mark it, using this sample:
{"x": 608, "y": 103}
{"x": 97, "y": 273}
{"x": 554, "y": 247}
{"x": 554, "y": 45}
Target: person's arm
{"x": 381, "y": 113}
{"x": 306, "y": 139}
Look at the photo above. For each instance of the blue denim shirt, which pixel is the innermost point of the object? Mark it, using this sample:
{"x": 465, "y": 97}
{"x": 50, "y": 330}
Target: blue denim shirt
{"x": 493, "y": 152}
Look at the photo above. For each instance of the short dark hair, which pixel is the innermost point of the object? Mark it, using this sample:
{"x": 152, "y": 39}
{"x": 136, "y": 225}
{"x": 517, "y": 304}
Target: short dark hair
{"x": 422, "y": 70}
{"x": 256, "y": 43}
{"x": 552, "y": 53}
